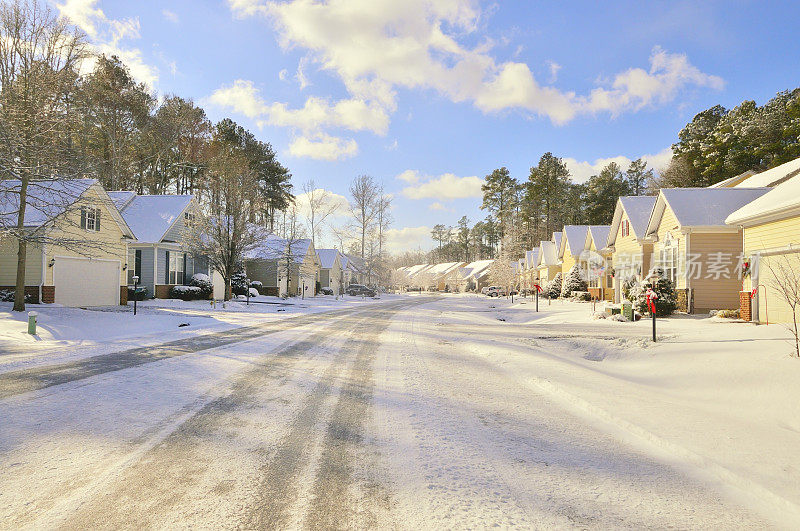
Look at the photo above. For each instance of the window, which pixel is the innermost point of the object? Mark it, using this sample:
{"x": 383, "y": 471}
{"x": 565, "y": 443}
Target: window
{"x": 626, "y": 228}
{"x": 609, "y": 278}
{"x": 668, "y": 258}
{"x": 188, "y": 217}
{"x": 90, "y": 218}
{"x": 134, "y": 264}
{"x": 177, "y": 262}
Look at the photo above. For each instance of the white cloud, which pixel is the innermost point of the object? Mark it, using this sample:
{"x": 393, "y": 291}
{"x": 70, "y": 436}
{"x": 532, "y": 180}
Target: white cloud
{"x": 171, "y": 16}
{"x": 582, "y": 170}
{"x": 332, "y": 199}
{"x": 444, "y": 187}
{"x": 106, "y": 35}
{"x": 408, "y": 238}
{"x": 438, "y": 207}
{"x": 323, "y": 147}
{"x": 554, "y": 68}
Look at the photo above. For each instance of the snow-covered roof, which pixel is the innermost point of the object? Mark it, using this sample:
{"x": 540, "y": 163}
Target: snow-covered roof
{"x": 575, "y": 238}
{"x": 557, "y": 239}
{"x": 781, "y": 201}
{"x": 774, "y": 176}
{"x": 730, "y": 182}
{"x": 151, "y": 216}
{"x": 599, "y": 235}
{"x": 548, "y": 254}
{"x": 445, "y": 268}
{"x": 701, "y": 207}
{"x": 356, "y": 263}
{"x": 121, "y": 198}
{"x": 415, "y": 269}
{"x": 269, "y": 248}
{"x": 45, "y": 199}
{"x": 531, "y": 257}
{"x": 327, "y": 257}
{"x": 638, "y": 209}
{"x": 476, "y": 269}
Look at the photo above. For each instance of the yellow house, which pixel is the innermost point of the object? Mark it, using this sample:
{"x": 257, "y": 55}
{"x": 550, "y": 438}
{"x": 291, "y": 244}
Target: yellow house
{"x": 547, "y": 264}
{"x": 694, "y": 247}
{"x": 770, "y": 228}
{"x": 78, "y": 243}
{"x": 596, "y": 260}
{"x": 573, "y": 244}
{"x": 630, "y": 251}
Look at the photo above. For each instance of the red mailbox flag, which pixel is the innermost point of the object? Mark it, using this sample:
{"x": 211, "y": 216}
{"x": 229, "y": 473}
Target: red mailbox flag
{"x": 538, "y": 288}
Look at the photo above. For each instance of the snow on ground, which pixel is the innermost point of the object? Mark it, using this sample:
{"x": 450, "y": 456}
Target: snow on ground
{"x": 71, "y": 333}
{"x": 719, "y": 398}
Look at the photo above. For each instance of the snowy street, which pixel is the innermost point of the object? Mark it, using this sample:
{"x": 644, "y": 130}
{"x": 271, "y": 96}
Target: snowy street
{"x": 413, "y": 412}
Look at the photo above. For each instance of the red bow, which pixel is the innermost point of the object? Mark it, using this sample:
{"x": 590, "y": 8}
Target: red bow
{"x": 538, "y": 288}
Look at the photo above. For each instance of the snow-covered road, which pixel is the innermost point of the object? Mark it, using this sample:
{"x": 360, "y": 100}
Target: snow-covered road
{"x": 382, "y": 416}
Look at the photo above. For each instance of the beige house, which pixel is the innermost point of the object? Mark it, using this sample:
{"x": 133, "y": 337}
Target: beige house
{"x": 77, "y": 255}
{"x": 770, "y": 227}
{"x": 597, "y": 263}
{"x": 284, "y": 269}
{"x": 697, "y": 251}
{"x": 573, "y": 244}
{"x": 630, "y": 251}
{"x": 331, "y": 274}
{"x": 547, "y": 263}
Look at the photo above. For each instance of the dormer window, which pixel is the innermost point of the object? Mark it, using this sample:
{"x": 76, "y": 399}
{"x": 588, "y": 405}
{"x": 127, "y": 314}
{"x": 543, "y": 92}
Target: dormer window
{"x": 90, "y": 218}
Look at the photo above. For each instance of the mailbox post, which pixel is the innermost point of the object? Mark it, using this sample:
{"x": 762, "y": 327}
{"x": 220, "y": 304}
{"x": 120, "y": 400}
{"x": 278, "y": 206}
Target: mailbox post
{"x": 135, "y": 292}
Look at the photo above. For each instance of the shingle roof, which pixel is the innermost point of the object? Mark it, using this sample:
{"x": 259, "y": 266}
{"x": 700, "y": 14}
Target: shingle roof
{"x": 599, "y": 234}
{"x": 782, "y": 198}
{"x": 638, "y": 210}
{"x": 575, "y": 238}
{"x": 45, "y": 199}
{"x": 704, "y": 207}
{"x": 151, "y": 216}
{"x": 327, "y": 257}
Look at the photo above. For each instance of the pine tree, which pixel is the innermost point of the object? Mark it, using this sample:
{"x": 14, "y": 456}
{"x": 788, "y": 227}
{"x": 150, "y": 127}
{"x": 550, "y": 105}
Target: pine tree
{"x": 667, "y": 301}
{"x": 574, "y": 281}
{"x": 552, "y": 290}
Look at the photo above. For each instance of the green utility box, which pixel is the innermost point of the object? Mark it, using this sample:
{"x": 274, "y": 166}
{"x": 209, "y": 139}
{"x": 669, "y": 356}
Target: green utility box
{"x": 32, "y": 323}
{"x": 627, "y": 310}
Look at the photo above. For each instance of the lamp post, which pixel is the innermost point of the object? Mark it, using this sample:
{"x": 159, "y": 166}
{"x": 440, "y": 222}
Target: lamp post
{"x": 248, "y": 291}
{"x": 651, "y": 299}
{"x": 135, "y": 292}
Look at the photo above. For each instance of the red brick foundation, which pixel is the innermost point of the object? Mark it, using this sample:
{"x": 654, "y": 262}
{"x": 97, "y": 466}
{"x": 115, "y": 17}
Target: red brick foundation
{"x": 123, "y": 295}
{"x": 745, "y": 306}
{"x": 162, "y": 291}
{"x": 31, "y": 291}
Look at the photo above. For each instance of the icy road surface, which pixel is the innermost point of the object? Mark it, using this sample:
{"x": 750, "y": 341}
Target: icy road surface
{"x": 366, "y": 418}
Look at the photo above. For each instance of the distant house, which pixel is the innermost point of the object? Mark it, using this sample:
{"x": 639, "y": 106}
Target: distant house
{"x": 330, "y": 270}
{"x": 771, "y": 239}
{"x": 597, "y": 263}
{"x": 631, "y": 252}
{"x": 355, "y": 270}
{"x": 284, "y": 269}
{"x": 694, "y": 247}
{"x": 572, "y": 245}
{"x": 81, "y": 259}
{"x": 474, "y": 275}
{"x": 531, "y": 275}
{"x": 159, "y": 256}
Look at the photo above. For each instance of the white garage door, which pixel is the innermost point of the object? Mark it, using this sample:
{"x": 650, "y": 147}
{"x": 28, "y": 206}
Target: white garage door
{"x": 773, "y": 271}
{"x": 83, "y": 282}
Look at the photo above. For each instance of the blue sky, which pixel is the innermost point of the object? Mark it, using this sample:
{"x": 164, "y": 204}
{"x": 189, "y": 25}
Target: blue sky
{"x": 430, "y": 96}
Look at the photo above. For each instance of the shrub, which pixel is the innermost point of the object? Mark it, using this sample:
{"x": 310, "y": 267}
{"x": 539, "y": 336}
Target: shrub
{"x": 574, "y": 281}
{"x": 581, "y": 296}
{"x": 726, "y": 314}
{"x": 627, "y": 285}
{"x": 239, "y": 283}
{"x": 666, "y": 301}
{"x": 254, "y": 292}
{"x": 140, "y": 295}
{"x": 7, "y": 295}
{"x": 187, "y": 293}
{"x": 204, "y": 283}
{"x": 553, "y": 288}
{"x": 257, "y": 285}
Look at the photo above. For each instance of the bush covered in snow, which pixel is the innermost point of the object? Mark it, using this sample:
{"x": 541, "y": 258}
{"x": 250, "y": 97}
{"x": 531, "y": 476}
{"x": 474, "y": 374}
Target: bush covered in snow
{"x": 552, "y": 290}
{"x": 7, "y": 295}
{"x": 626, "y": 287}
{"x": 204, "y": 283}
{"x": 618, "y": 317}
{"x": 666, "y": 301}
{"x": 187, "y": 293}
{"x": 239, "y": 282}
{"x": 583, "y": 296}
{"x": 140, "y": 295}
{"x": 257, "y": 285}
{"x": 725, "y": 314}
{"x": 574, "y": 281}
{"x": 254, "y": 292}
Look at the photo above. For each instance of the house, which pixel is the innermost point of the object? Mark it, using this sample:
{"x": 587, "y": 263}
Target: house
{"x": 631, "y": 252}
{"x": 531, "y": 276}
{"x": 547, "y": 265}
{"x": 573, "y": 244}
{"x": 331, "y": 274}
{"x": 78, "y": 250}
{"x": 772, "y": 177}
{"x": 695, "y": 248}
{"x": 284, "y": 268}
{"x": 770, "y": 228}
{"x": 444, "y": 276}
{"x": 159, "y": 256}
{"x": 356, "y": 270}
{"x": 474, "y": 275}
{"x": 597, "y": 263}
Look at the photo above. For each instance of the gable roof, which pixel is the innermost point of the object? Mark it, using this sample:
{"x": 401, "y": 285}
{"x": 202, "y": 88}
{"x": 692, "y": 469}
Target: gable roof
{"x": 531, "y": 258}
{"x": 638, "y": 209}
{"x": 599, "y": 235}
{"x": 557, "y": 239}
{"x": 783, "y": 200}
{"x": 48, "y": 199}
{"x": 548, "y": 254}
{"x": 327, "y": 258}
{"x": 476, "y": 269}
{"x": 736, "y": 180}
{"x": 152, "y": 216}
{"x": 774, "y": 176}
{"x": 701, "y": 207}
{"x": 575, "y": 237}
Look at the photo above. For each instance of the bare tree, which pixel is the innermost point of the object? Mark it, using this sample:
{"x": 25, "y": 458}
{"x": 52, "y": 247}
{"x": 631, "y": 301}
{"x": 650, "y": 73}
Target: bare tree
{"x": 40, "y": 55}
{"x": 320, "y": 206}
{"x": 364, "y": 205}
{"x": 384, "y": 220}
{"x": 291, "y": 233}
{"x": 785, "y": 280}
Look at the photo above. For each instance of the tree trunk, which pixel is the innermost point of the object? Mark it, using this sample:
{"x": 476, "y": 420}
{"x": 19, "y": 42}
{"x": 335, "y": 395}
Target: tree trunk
{"x": 19, "y": 294}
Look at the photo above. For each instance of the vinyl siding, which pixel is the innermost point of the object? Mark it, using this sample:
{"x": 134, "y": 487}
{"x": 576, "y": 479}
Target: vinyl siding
{"x": 175, "y": 233}
{"x": 8, "y": 263}
{"x": 146, "y": 271}
{"x": 771, "y": 306}
{"x": 264, "y": 271}
{"x": 669, "y": 224}
{"x": 772, "y": 235}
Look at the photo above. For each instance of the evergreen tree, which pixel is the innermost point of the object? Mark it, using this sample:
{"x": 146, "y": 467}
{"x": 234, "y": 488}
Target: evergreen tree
{"x": 552, "y": 290}
{"x": 602, "y": 192}
{"x": 574, "y": 281}
{"x": 548, "y": 188}
{"x": 499, "y": 196}
{"x": 638, "y": 177}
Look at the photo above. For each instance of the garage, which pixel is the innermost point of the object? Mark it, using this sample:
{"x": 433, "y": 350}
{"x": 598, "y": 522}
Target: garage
{"x": 85, "y": 282}
{"x": 772, "y": 305}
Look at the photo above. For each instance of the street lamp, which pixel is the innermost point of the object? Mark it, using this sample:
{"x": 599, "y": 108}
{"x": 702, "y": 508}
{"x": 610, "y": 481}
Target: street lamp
{"x": 248, "y": 291}
{"x": 135, "y": 292}
{"x": 651, "y": 299}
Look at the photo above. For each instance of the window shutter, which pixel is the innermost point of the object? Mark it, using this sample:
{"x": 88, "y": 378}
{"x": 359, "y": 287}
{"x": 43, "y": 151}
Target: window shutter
{"x": 97, "y": 219}
{"x": 166, "y": 269}
{"x": 184, "y": 269}
{"x": 83, "y": 217}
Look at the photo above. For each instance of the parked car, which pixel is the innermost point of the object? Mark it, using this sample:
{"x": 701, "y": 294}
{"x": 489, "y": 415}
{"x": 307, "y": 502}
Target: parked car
{"x": 326, "y": 291}
{"x": 496, "y": 291}
{"x": 359, "y": 290}
{"x": 484, "y": 290}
